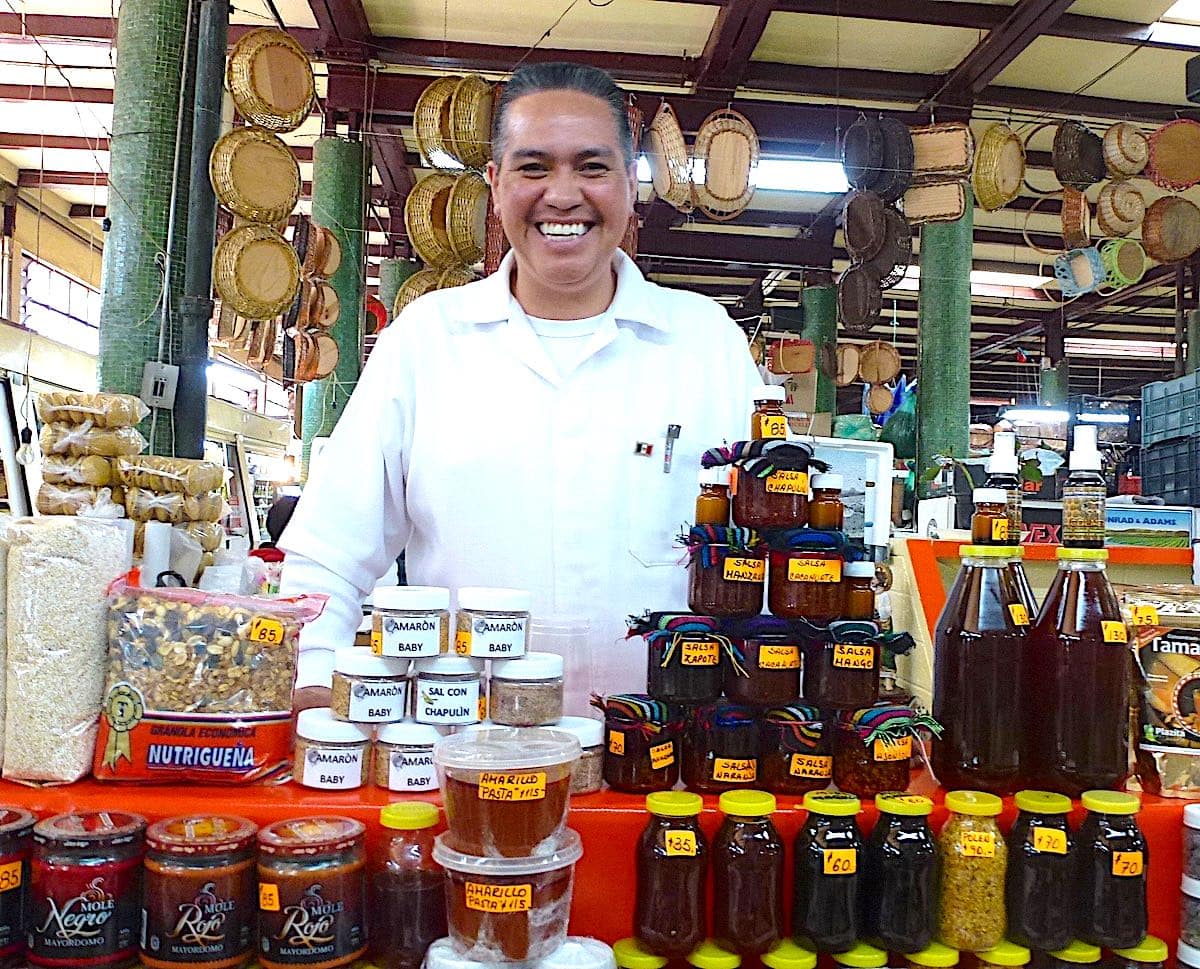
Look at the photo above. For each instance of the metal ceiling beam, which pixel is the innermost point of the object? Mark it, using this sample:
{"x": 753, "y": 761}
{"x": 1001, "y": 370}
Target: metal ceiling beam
{"x": 89, "y": 211}
{"x": 342, "y": 27}
{"x": 36, "y": 92}
{"x": 735, "y": 34}
{"x": 12, "y": 139}
{"x": 50, "y": 27}
{"x": 32, "y": 178}
{"x": 848, "y": 82}
{"x": 785, "y": 253}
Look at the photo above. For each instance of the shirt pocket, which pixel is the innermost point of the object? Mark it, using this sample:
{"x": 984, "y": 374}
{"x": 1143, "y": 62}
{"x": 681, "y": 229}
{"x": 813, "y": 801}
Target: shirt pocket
{"x": 661, "y": 504}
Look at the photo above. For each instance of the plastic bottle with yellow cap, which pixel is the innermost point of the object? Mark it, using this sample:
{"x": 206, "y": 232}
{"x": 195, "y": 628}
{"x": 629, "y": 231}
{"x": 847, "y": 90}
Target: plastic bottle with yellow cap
{"x": 1076, "y": 953}
{"x": 672, "y": 861}
{"x": 1112, "y": 858}
{"x": 748, "y": 867}
{"x": 979, "y": 650}
{"x": 1006, "y": 955}
{"x": 862, "y": 955}
{"x": 933, "y": 956}
{"x": 1078, "y": 672}
{"x": 787, "y": 954}
{"x": 408, "y": 893}
{"x": 1150, "y": 953}
{"x": 899, "y": 898}
{"x": 710, "y": 955}
{"x": 828, "y": 861}
{"x": 1040, "y": 892}
{"x": 974, "y": 858}
{"x": 631, "y": 954}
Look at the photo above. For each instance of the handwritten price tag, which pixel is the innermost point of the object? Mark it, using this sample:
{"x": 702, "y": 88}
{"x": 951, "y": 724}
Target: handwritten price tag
{"x": 1127, "y": 864}
{"x": 839, "y": 861}
{"x": 1020, "y": 615}
{"x": 616, "y": 743}
{"x": 772, "y": 427}
{"x": 265, "y": 630}
{"x": 10, "y": 876}
{"x": 268, "y": 897}
{"x": 681, "y": 844}
{"x": 1050, "y": 841}
{"x": 1114, "y": 632}
{"x": 1144, "y": 615}
{"x": 978, "y": 844}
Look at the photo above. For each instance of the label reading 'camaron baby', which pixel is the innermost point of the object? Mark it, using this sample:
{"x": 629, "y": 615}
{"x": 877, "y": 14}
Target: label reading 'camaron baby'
{"x": 495, "y": 637}
{"x": 411, "y": 771}
{"x": 378, "y": 702}
{"x": 333, "y": 768}
{"x": 411, "y": 635}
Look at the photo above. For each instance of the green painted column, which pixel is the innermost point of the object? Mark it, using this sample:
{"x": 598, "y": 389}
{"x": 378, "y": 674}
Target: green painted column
{"x": 944, "y": 339}
{"x": 818, "y": 299}
{"x": 1192, "y": 362}
{"x": 339, "y": 167}
{"x": 152, "y": 46}
{"x": 392, "y": 273}
{"x": 1054, "y": 384}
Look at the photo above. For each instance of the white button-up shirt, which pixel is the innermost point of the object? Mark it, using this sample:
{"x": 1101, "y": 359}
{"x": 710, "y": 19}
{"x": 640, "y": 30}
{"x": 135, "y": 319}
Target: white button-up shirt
{"x": 463, "y": 446}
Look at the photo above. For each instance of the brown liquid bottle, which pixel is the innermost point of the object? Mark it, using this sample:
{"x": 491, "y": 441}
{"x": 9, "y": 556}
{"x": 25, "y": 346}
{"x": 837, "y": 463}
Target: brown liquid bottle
{"x": 408, "y": 888}
{"x": 672, "y": 861}
{"x": 712, "y": 504}
{"x": 747, "y": 859}
{"x": 1078, "y": 674}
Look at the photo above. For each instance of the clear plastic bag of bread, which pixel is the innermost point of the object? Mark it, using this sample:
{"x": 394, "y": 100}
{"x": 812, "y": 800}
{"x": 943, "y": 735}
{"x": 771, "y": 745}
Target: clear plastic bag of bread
{"x": 95, "y": 410}
{"x": 189, "y": 476}
{"x": 150, "y": 506}
{"x": 209, "y": 535}
{"x": 92, "y": 470}
{"x": 81, "y": 500}
{"x": 80, "y": 440}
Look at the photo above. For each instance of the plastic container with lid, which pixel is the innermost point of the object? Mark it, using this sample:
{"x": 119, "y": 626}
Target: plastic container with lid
{"x": 16, "y": 828}
{"x": 933, "y": 956}
{"x": 672, "y": 864}
{"x": 509, "y": 909}
{"x": 330, "y": 754}
{"x": 631, "y": 954}
{"x": 974, "y": 859}
{"x": 1040, "y": 884}
{"x": 768, "y": 421}
{"x": 403, "y": 757}
{"x": 1076, "y": 953}
{"x": 841, "y": 669}
{"x": 825, "y": 507}
{"x": 368, "y": 688}
{"x": 1112, "y": 856}
{"x": 410, "y": 621}
{"x": 726, "y": 581}
{"x": 88, "y": 864}
{"x": 796, "y": 749}
{"x": 587, "y": 776}
{"x": 720, "y": 749}
{"x": 1187, "y": 956}
{"x": 767, "y": 671}
{"x": 711, "y": 955}
{"x": 827, "y": 864}
{"x": 748, "y": 871}
{"x": 1006, "y": 955}
{"x": 644, "y": 743}
{"x": 900, "y": 866}
{"x": 1191, "y": 840}
{"x": 408, "y": 888}
{"x": 579, "y": 952}
{"x": 506, "y": 789}
{"x": 989, "y": 523}
{"x": 1150, "y": 953}
{"x": 1189, "y": 911}
{"x": 861, "y": 955}
{"x": 858, "y": 591}
{"x": 786, "y": 954}
{"x": 447, "y": 691}
{"x": 712, "y": 503}
{"x": 527, "y": 691}
{"x": 492, "y": 623}
{"x": 805, "y": 584}
{"x": 685, "y": 667}
{"x": 200, "y": 891}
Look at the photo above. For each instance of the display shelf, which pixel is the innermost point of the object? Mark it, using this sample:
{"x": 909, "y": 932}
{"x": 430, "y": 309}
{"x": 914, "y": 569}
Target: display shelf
{"x": 608, "y": 822}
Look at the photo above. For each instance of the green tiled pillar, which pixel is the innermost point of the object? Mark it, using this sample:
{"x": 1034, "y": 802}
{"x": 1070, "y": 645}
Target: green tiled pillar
{"x": 151, "y": 55}
{"x": 338, "y": 178}
{"x": 392, "y": 273}
{"x": 1055, "y": 384}
{"x": 819, "y": 300}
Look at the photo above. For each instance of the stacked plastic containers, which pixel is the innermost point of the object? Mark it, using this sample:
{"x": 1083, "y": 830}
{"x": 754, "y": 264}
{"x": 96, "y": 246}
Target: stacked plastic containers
{"x": 508, "y": 855}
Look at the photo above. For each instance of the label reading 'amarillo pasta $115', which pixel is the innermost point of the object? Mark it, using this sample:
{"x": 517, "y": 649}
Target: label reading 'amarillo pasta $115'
{"x": 514, "y": 786}
{"x": 498, "y": 899}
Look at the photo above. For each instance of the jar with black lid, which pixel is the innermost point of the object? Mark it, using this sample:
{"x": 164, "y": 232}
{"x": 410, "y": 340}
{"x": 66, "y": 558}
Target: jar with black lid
{"x": 721, "y": 748}
{"x": 841, "y": 669}
{"x": 1040, "y": 881}
{"x": 796, "y": 754}
{"x": 1112, "y": 857}
{"x": 768, "y": 662}
{"x": 643, "y": 743}
{"x": 900, "y": 864}
{"x": 16, "y": 826}
{"x": 827, "y": 860}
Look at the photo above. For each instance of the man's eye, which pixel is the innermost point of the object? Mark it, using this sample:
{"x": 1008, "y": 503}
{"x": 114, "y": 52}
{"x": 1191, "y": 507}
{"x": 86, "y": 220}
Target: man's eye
{"x": 595, "y": 168}
{"x": 532, "y": 168}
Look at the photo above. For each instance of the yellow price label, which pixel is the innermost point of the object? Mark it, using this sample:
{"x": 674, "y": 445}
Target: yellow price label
{"x": 744, "y": 570}
{"x": 482, "y": 708}
{"x": 680, "y": 844}
{"x": 376, "y": 642}
{"x": 1114, "y": 632}
{"x": 498, "y": 899}
{"x": 811, "y": 765}
{"x": 512, "y": 786}
{"x": 1128, "y": 864}
{"x": 887, "y": 750}
{"x": 462, "y": 643}
{"x": 778, "y": 657}
{"x": 10, "y": 876}
{"x": 265, "y": 630}
{"x": 662, "y": 755}
{"x": 814, "y": 570}
{"x": 839, "y": 861}
{"x": 268, "y": 897}
{"x": 701, "y": 652}
{"x": 1144, "y": 615}
{"x": 1050, "y": 841}
{"x": 999, "y": 529}
{"x": 854, "y": 656}
{"x": 735, "y": 771}
{"x": 977, "y": 844}
{"x": 787, "y": 483}
{"x": 772, "y": 426}
{"x": 616, "y": 743}
{"x": 1020, "y": 615}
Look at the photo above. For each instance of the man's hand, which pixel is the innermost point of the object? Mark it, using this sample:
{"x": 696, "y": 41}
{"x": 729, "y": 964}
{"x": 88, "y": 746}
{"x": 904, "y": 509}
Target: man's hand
{"x": 310, "y": 696}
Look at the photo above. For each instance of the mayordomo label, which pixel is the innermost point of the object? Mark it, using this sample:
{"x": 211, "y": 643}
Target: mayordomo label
{"x": 417, "y": 636}
{"x": 498, "y": 636}
{"x": 204, "y": 927}
{"x": 315, "y": 923}
{"x": 79, "y": 915}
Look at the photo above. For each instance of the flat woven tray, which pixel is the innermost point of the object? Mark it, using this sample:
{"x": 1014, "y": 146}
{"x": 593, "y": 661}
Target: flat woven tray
{"x": 727, "y": 147}
{"x": 425, "y": 212}
{"x": 256, "y": 272}
{"x": 255, "y": 175}
{"x": 942, "y": 150}
{"x": 271, "y": 80}
{"x": 999, "y": 168}
{"x": 935, "y": 202}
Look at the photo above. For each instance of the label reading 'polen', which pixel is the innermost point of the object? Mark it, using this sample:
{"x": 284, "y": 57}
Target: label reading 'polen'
{"x": 778, "y": 657}
{"x": 378, "y": 702}
{"x": 494, "y": 637}
{"x": 411, "y": 635}
{"x": 787, "y": 483}
{"x": 854, "y": 656}
{"x": 333, "y": 768}
{"x": 744, "y": 570}
{"x": 498, "y": 899}
{"x": 701, "y": 652}
{"x": 512, "y": 786}
{"x": 977, "y": 844}
{"x": 445, "y": 702}
{"x": 814, "y": 570}
{"x": 811, "y": 765}
{"x": 735, "y": 771}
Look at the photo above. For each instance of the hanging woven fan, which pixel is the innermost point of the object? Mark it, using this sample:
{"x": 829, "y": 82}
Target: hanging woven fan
{"x": 1175, "y": 155}
{"x": 894, "y": 256}
{"x": 999, "y": 168}
{"x": 727, "y": 149}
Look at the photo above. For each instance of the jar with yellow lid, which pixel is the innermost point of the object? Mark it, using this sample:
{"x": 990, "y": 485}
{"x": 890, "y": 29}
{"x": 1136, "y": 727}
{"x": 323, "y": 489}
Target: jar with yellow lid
{"x": 631, "y": 954}
{"x": 1041, "y": 872}
{"x": 1006, "y": 955}
{"x": 1068, "y": 957}
{"x": 974, "y": 857}
{"x": 933, "y": 956}
{"x": 861, "y": 956}
{"x": 900, "y": 864}
{"x": 710, "y": 955}
{"x": 828, "y": 861}
{"x": 672, "y": 862}
{"x": 1150, "y": 953}
{"x": 1112, "y": 857}
{"x": 748, "y": 866}
{"x": 408, "y": 888}
{"x": 786, "y": 954}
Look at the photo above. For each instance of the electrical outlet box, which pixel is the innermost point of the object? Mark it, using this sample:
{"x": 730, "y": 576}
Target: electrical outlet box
{"x": 159, "y": 381}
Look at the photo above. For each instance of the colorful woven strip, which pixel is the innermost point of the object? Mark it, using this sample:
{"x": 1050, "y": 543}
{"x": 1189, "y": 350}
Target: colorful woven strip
{"x": 741, "y": 539}
{"x": 729, "y": 716}
{"x": 803, "y": 539}
{"x": 852, "y": 631}
{"x": 763, "y": 458}
{"x": 640, "y": 712}
{"x": 799, "y": 722}
{"x": 891, "y": 723}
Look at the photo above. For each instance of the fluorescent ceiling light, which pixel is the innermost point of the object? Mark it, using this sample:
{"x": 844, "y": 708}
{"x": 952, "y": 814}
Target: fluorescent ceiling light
{"x": 1035, "y": 415}
{"x": 987, "y": 283}
{"x": 802, "y": 175}
{"x": 1187, "y": 11}
{"x": 1103, "y": 417}
{"x": 1144, "y": 349}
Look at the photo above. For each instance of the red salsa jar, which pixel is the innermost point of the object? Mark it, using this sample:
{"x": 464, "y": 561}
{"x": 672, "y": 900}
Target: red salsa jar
{"x": 873, "y": 748}
{"x": 841, "y": 670}
{"x": 806, "y": 585}
{"x": 685, "y": 667}
{"x": 86, "y": 889}
{"x": 16, "y": 826}
{"x": 726, "y": 581}
{"x": 200, "y": 892}
{"x": 721, "y": 749}
{"x": 767, "y": 671}
{"x": 311, "y": 893}
{"x": 796, "y": 750}
{"x": 778, "y": 500}
{"x": 643, "y": 743}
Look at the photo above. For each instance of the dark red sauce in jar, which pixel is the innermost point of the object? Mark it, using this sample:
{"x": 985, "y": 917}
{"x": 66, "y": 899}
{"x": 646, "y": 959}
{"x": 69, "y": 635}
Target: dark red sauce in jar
{"x": 725, "y": 581}
{"x": 780, "y": 500}
{"x": 806, "y": 585}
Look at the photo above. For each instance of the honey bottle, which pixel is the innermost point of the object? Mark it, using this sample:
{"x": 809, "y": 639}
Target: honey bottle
{"x": 768, "y": 421}
{"x": 712, "y": 504}
{"x": 1002, "y": 472}
{"x": 990, "y": 523}
{"x": 1084, "y": 494}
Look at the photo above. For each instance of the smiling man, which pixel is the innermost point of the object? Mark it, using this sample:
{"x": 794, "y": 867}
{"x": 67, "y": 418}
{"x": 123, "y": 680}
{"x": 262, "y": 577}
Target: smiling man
{"x": 541, "y": 428}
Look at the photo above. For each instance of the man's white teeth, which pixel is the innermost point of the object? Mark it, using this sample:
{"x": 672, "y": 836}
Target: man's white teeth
{"x": 562, "y": 228}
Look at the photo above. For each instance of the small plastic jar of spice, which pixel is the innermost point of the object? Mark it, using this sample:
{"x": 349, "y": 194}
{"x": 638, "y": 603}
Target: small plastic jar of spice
{"x": 526, "y": 692}
{"x": 368, "y": 688}
{"x": 408, "y": 888}
{"x": 311, "y": 893}
{"x": 825, "y": 508}
{"x": 720, "y": 749}
{"x": 643, "y": 743}
{"x": 726, "y": 581}
{"x": 841, "y": 668}
{"x": 872, "y": 750}
{"x": 403, "y": 757}
{"x": 410, "y": 621}
{"x": 1111, "y": 857}
{"x": 1150, "y": 953}
{"x": 509, "y": 909}
{"x": 672, "y": 866}
{"x": 767, "y": 671}
{"x": 1006, "y": 955}
{"x": 86, "y": 874}
{"x": 900, "y": 865}
{"x": 828, "y": 861}
{"x": 492, "y": 623}
{"x": 989, "y": 523}
{"x": 769, "y": 422}
{"x": 1189, "y": 911}
{"x": 1068, "y": 957}
{"x": 200, "y": 889}
{"x": 974, "y": 860}
{"x": 330, "y": 754}
{"x": 796, "y": 752}
{"x": 858, "y": 591}
{"x": 805, "y": 585}
{"x": 16, "y": 826}
{"x": 1041, "y": 872}
{"x": 587, "y": 775}
{"x": 447, "y": 691}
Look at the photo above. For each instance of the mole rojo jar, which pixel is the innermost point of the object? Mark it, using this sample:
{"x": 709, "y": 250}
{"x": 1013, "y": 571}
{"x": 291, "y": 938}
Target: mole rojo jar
{"x": 86, "y": 889}
{"x": 200, "y": 885}
{"x": 492, "y": 623}
{"x": 16, "y": 824}
{"x": 311, "y": 893}
{"x": 410, "y": 621}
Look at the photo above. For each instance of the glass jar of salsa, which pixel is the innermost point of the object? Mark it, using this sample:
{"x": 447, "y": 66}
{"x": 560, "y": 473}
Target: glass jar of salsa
{"x": 16, "y": 826}
{"x": 858, "y": 591}
{"x": 1111, "y": 858}
{"x": 86, "y": 889}
{"x": 1039, "y": 886}
{"x": 643, "y": 743}
{"x": 828, "y": 859}
{"x": 768, "y": 422}
{"x": 767, "y": 672}
{"x": 672, "y": 862}
{"x": 841, "y": 668}
{"x": 720, "y": 749}
{"x": 900, "y": 864}
{"x": 872, "y": 749}
{"x": 825, "y": 508}
{"x": 777, "y": 500}
{"x": 974, "y": 858}
{"x": 796, "y": 754}
{"x": 408, "y": 888}
{"x": 685, "y": 667}
{"x": 311, "y": 893}
{"x": 726, "y": 581}
{"x": 805, "y": 585}
{"x": 200, "y": 886}
{"x": 747, "y": 860}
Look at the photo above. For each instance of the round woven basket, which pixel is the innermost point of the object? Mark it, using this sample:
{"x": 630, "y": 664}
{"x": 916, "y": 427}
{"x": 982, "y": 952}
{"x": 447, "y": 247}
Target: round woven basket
{"x": 1120, "y": 208}
{"x": 271, "y": 80}
{"x": 727, "y": 146}
{"x": 1171, "y": 229}
{"x": 859, "y": 298}
{"x": 879, "y": 399}
{"x": 320, "y": 306}
{"x": 878, "y": 363}
{"x": 327, "y": 355}
{"x": 862, "y": 152}
{"x": 471, "y": 121}
{"x": 1175, "y": 155}
{"x": 942, "y": 150}
{"x": 453, "y": 276}
{"x": 466, "y": 217}
{"x": 255, "y": 175}
{"x": 256, "y": 272}
{"x": 1126, "y": 150}
{"x": 938, "y": 202}
{"x": 847, "y": 364}
{"x": 667, "y": 155}
{"x": 999, "y": 168}
{"x": 1076, "y": 216}
{"x": 1124, "y": 262}
{"x": 864, "y": 225}
{"x": 323, "y": 252}
{"x": 425, "y": 212}
{"x": 897, "y": 171}
{"x": 418, "y": 284}
{"x": 894, "y": 256}
{"x": 1077, "y": 155}
{"x": 306, "y": 357}
{"x": 1079, "y": 271}
{"x": 432, "y": 119}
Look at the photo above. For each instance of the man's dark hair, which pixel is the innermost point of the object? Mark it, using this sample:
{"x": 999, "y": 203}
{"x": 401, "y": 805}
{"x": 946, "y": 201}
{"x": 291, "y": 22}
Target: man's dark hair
{"x": 561, "y": 76}
{"x": 278, "y": 516}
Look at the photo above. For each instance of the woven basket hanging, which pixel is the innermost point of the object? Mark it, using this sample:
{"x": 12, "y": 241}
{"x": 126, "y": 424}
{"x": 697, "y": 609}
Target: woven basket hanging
{"x": 432, "y": 120}
{"x": 471, "y": 121}
{"x": 418, "y": 284}
{"x": 1175, "y": 155}
{"x": 256, "y": 272}
{"x": 1124, "y": 262}
{"x": 864, "y": 225}
{"x": 1126, "y": 150}
{"x": 727, "y": 148}
{"x": 1077, "y": 155}
{"x": 999, "y": 168}
{"x": 667, "y": 156}
{"x": 1120, "y": 208}
{"x": 255, "y": 175}
{"x": 1171, "y": 229}
{"x": 859, "y": 299}
{"x": 1076, "y": 215}
{"x": 466, "y": 217}
{"x": 847, "y": 364}
{"x": 897, "y": 173}
{"x": 878, "y": 363}
{"x": 895, "y": 255}
{"x": 942, "y": 151}
{"x": 1079, "y": 271}
{"x": 425, "y": 220}
{"x": 938, "y": 202}
{"x": 271, "y": 80}
{"x": 862, "y": 152}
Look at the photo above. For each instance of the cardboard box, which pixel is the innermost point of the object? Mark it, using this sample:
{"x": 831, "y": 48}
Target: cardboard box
{"x": 810, "y": 425}
{"x": 801, "y": 392}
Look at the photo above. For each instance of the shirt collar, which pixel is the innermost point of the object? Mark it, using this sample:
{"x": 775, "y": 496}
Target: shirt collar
{"x": 635, "y": 300}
